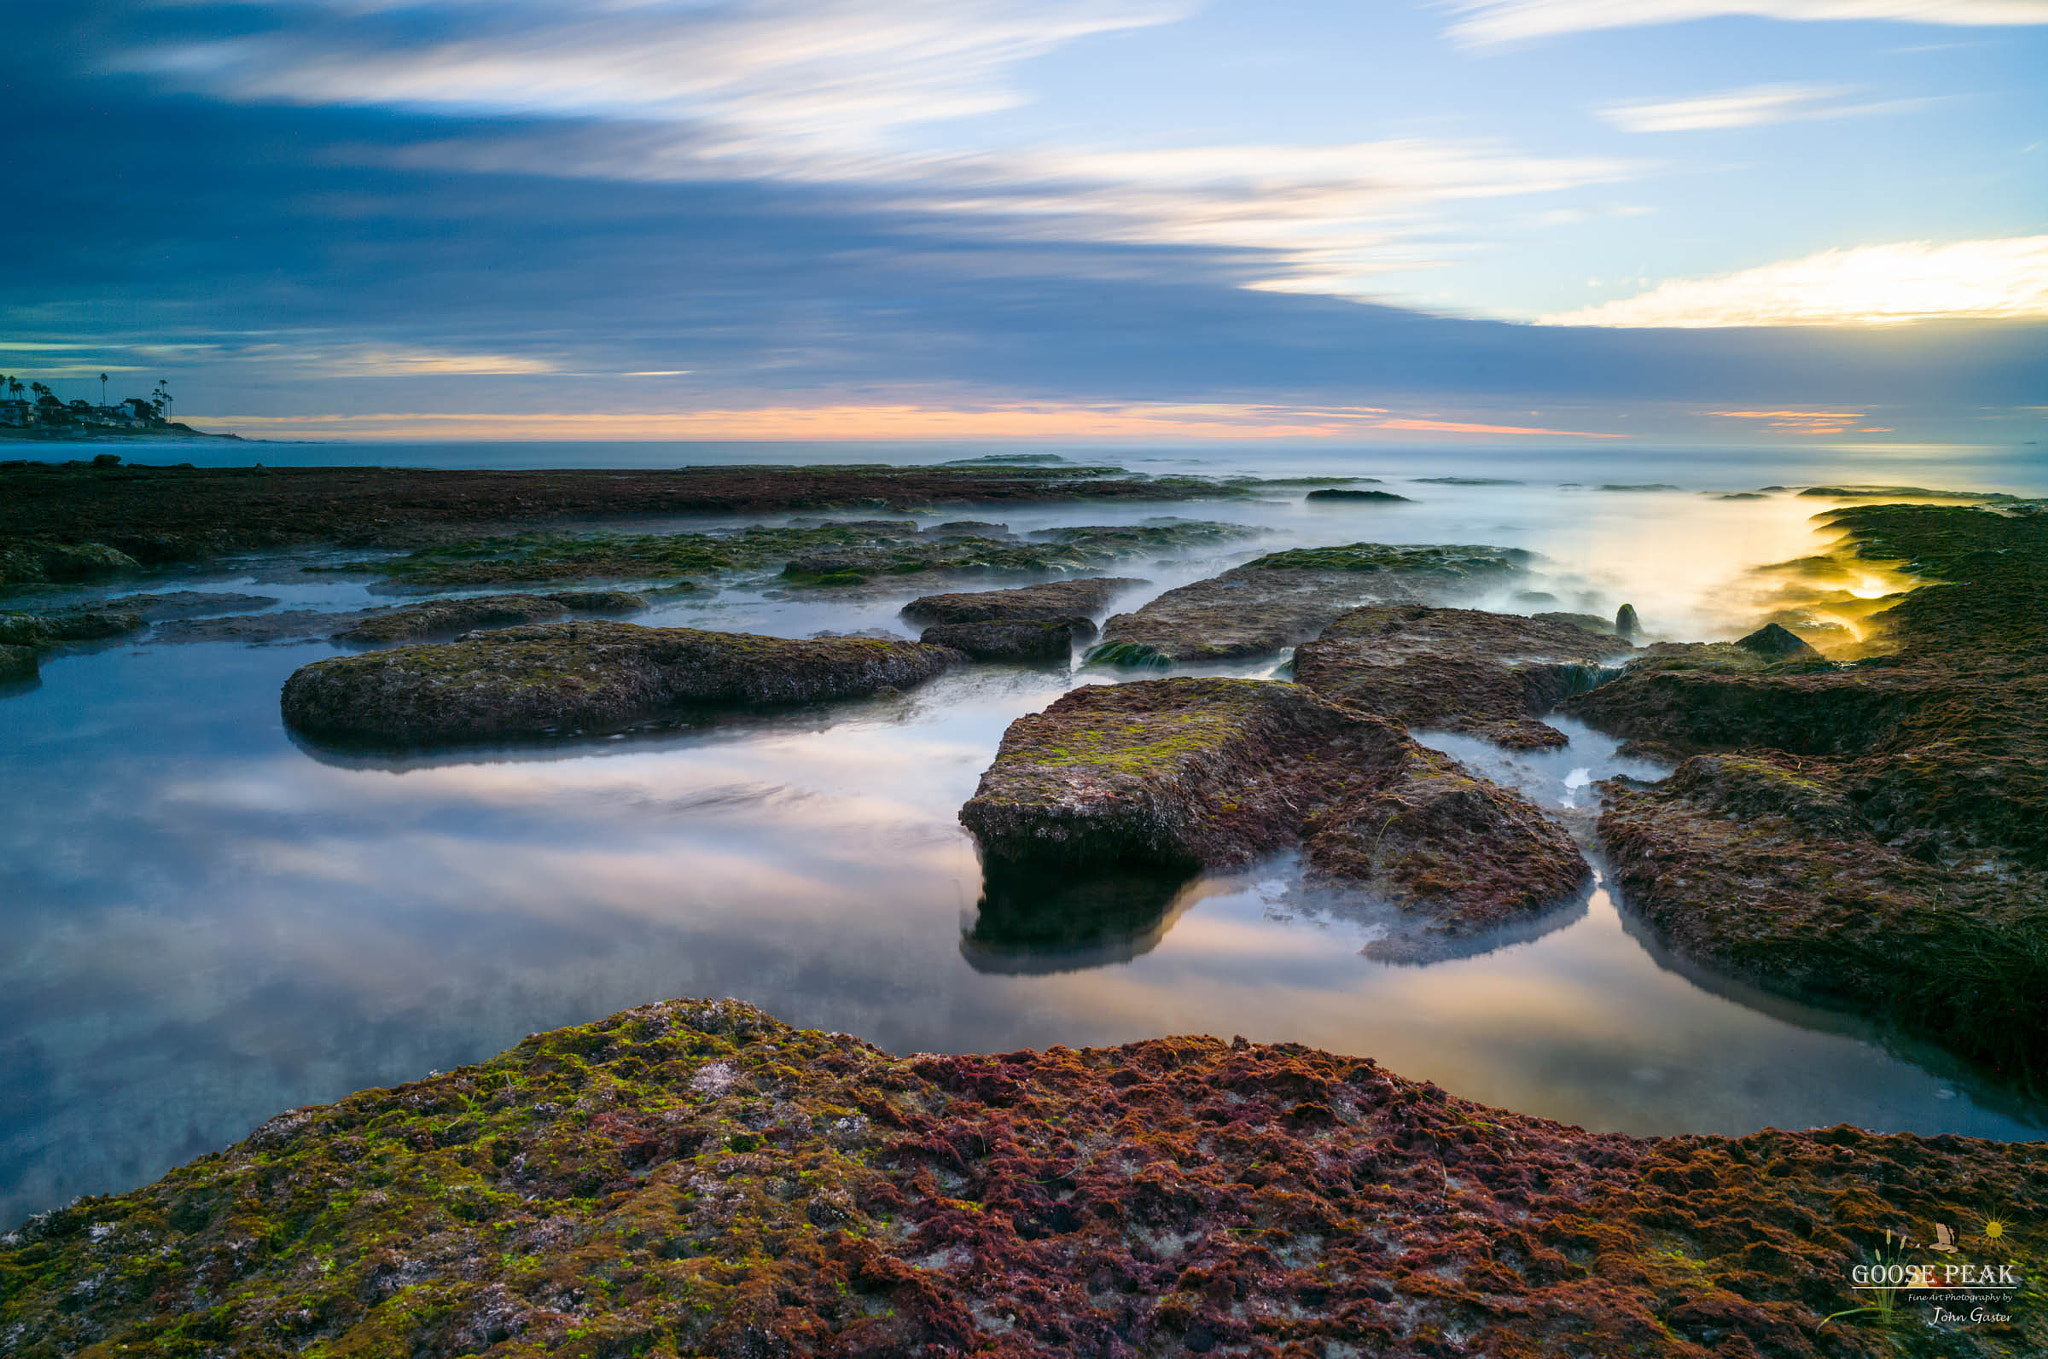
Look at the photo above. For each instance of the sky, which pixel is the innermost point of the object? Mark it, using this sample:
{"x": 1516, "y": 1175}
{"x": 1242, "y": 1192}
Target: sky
{"x": 1691, "y": 221}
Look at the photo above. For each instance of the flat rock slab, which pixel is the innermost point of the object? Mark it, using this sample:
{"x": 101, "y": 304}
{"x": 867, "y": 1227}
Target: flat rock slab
{"x": 1767, "y": 867}
{"x": 446, "y": 617}
{"x": 1484, "y": 674}
{"x": 1052, "y": 599}
{"x": 173, "y": 604}
{"x": 778, "y": 1191}
{"x": 1204, "y": 773}
{"x": 1874, "y": 834}
{"x": 558, "y": 678}
{"x": 1285, "y": 598}
{"x": 1025, "y": 639}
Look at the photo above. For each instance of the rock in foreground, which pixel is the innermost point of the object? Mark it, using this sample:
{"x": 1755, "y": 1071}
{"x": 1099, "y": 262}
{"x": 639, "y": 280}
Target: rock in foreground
{"x": 694, "y": 1178}
{"x": 1283, "y": 598}
{"x": 578, "y": 677}
{"x": 1486, "y": 674}
{"x": 1205, "y": 773}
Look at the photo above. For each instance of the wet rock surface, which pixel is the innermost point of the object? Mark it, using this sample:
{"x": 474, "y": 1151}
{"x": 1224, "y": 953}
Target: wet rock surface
{"x": 1338, "y": 493}
{"x": 18, "y": 664}
{"x": 1204, "y": 773}
{"x": 560, "y": 678}
{"x": 176, "y": 604}
{"x": 1023, "y": 639}
{"x": 1051, "y": 599}
{"x": 445, "y": 617}
{"x": 695, "y": 1178}
{"x": 1284, "y": 598}
{"x": 1485, "y": 674}
{"x": 1889, "y": 828}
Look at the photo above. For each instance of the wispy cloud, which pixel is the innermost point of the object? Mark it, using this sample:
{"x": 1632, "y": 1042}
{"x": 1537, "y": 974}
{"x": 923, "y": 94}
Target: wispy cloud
{"x": 831, "y": 94}
{"x": 1492, "y": 21}
{"x": 1867, "y": 285}
{"x": 1753, "y": 106}
{"x": 1801, "y": 421}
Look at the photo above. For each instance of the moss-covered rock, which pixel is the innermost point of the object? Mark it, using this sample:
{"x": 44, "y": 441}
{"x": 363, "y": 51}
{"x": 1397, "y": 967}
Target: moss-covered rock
{"x": 1022, "y": 639}
{"x": 1048, "y": 599}
{"x": 692, "y": 1178}
{"x": 1463, "y": 670}
{"x": 1283, "y": 598}
{"x": 1346, "y": 495}
{"x": 446, "y": 617}
{"x": 1904, "y": 836}
{"x": 560, "y": 678}
{"x": 1204, "y": 773}
{"x": 18, "y": 663}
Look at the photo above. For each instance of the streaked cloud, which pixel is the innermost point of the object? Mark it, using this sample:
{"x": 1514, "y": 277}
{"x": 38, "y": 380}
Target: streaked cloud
{"x": 1753, "y": 106}
{"x": 1508, "y": 20}
{"x": 1864, "y": 285}
{"x": 1802, "y": 421}
{"x": 840, "y": 93}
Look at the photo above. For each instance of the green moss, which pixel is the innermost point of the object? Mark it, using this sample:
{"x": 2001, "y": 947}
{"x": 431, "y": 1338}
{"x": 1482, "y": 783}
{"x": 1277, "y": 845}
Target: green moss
{"x": 1133, "y": 654}
{"x": 1457, "y": 561}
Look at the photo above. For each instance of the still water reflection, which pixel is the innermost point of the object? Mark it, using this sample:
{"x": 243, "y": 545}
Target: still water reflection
{"x": 205, "y": 922}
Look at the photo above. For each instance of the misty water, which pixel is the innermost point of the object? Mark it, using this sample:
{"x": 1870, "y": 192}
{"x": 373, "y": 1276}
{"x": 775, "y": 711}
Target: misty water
{"x": 206, "y": 922}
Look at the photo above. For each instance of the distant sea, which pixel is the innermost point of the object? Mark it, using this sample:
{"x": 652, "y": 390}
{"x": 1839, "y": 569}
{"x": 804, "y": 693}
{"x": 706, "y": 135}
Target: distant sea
{"x": 2019, "y": 468}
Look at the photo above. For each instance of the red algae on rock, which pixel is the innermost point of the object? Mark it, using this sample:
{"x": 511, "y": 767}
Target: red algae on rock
{"x": 1201, "y": 773}
{"x": 588, "y": 676}
{"x": 1486, "y": 674}
{"x": 693, "y": 1178}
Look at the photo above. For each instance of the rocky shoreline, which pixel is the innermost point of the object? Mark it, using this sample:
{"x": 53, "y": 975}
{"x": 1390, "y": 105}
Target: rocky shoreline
{"x": 75, "y": 521}
{"x": 695, "y": 1178}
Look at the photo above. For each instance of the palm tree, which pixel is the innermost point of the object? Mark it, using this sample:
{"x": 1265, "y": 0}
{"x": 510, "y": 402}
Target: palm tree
{"x": 103, "y": 389}
{"x": 14, "y": 388}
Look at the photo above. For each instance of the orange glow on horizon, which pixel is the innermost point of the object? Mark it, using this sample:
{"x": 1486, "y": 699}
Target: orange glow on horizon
{"x": 850, "y": 422}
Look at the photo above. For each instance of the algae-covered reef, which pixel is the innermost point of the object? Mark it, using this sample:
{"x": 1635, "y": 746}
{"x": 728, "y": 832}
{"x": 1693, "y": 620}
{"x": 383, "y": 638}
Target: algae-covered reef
{"x": 835, "y": 554}
{"x": 1873, "y": 833}
{"x": 439, "y": 617}
{"x": 1048, "y": 599}
{"x": 695, "y": 1179}
{"x": 69, "y": 521}
{"x": 559, "y": 678}
{"x": 1283, "y": 598}
{"x": 1202, "y": 773}
{"x": 1488, "y": 674}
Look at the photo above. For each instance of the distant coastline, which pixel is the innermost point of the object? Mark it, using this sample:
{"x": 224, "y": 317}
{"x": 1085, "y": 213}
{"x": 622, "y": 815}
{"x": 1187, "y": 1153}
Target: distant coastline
{"x": 88, "y": 434}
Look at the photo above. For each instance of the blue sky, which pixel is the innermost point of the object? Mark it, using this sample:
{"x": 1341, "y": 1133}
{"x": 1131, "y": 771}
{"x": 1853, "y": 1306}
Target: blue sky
{"x": 1687, "y": 219}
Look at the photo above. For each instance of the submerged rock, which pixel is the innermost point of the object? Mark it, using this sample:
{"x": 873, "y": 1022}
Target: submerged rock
{"x": 1023, "y": 639}
{"x": 1203, "y": 773}
{"x": 1050, "y": 599}
{"x": 589, "y": 676}
{"x": 694, "y": 1178}
{"x": 1485, "y": 674}
{"x": 1283, "y": 598}
{"x": 18, "y": 663}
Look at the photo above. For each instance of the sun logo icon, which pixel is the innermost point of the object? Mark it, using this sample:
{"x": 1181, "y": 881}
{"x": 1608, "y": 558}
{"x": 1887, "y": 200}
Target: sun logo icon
{"x": 1994, "y": 1230}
